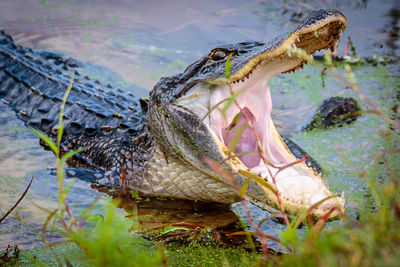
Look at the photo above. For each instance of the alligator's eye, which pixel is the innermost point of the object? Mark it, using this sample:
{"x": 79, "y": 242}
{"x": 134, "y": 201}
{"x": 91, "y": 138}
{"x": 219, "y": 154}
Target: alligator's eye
{"x": 218, "y": 55}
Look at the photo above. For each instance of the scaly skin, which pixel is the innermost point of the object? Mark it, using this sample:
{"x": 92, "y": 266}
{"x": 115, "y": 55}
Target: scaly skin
{"x": 161, "y": 144}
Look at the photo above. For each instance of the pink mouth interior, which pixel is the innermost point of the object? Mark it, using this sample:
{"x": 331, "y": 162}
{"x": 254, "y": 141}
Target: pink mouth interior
{"x": 247, "y": 141}
{"x": 255, "y": 105}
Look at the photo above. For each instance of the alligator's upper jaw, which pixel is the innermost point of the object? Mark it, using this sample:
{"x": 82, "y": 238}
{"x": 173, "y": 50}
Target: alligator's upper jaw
{"x": 321, "y": 34}
{"x": 246, "y": 126}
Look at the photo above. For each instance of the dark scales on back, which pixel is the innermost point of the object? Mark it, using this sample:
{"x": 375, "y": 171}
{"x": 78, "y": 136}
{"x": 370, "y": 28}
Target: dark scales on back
{"x": 109, "y": 122}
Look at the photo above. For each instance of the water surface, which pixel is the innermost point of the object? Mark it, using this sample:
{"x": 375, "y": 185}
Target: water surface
{"x": 133, "y": 43}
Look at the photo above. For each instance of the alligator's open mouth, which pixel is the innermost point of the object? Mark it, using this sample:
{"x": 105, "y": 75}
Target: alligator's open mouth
{"x": 247, "y": 129}
{"x": 245, "y": 133}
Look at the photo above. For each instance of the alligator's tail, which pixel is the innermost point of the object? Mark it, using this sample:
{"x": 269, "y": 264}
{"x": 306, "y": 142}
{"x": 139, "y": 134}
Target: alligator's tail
{"x": 33, "y": 83}
{"x": 25, "y": 85}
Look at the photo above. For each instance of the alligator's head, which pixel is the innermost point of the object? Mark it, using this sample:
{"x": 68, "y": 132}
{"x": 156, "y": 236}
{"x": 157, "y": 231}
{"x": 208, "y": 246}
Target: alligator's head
{"x": 190, "y": 119}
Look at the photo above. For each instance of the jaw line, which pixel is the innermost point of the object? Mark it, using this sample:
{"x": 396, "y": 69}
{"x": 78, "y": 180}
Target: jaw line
{"x": 298, "y": 185}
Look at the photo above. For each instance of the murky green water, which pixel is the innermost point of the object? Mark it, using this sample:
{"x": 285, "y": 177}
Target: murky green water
{"x": 134, "y": 43}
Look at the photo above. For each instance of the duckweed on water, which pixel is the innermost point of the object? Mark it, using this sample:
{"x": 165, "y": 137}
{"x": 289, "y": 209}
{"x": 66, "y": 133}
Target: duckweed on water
{"x": 347, "y": 151}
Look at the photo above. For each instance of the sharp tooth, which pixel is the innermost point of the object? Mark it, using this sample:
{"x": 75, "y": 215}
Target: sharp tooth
{"x": 298, "y": 39}
{"x": 281, "y": 57}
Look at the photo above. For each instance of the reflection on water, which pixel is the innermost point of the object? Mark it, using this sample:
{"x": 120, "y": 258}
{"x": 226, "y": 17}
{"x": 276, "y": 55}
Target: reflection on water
{"x": 393, "y": 29}
{"x": 143, "y": 41}
{"x": 154, "y": 212}
{"x": 134, "y": 43}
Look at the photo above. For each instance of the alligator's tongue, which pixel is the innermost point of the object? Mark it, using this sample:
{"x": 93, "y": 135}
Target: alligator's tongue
{"x": 246, "y": 146}
{"x": 255, "y": 106}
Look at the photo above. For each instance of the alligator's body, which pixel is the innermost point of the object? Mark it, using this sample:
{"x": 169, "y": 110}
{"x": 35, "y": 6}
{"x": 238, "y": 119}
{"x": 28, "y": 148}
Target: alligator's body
{"x": 162, "y": 145}
{"x": 109, "y": 122}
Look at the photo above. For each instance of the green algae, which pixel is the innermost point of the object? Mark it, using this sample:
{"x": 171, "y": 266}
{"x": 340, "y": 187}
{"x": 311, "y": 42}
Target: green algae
{"x": 200, "y": 255}
{"x": 142, "y": 253}
{"x": 361, "y": 159}
{"x": 345, "y": 152}
{"x": 105, "y": 240}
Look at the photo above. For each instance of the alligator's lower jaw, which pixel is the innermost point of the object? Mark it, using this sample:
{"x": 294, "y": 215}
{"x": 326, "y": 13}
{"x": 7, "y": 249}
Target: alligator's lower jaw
{"x": 246, "y": 133}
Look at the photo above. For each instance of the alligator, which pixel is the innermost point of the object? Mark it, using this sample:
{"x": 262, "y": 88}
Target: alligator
{"x": 178, "y": 143}
{"x": 334, "y": 111}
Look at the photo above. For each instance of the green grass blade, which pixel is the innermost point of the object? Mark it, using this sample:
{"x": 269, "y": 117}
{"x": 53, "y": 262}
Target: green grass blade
{"x": 60, "y": 117}
{"x": 228, "y": 65}
{"x": 46, "y": 139}
{"x": 69, "y": 186}
{"x": 71, "y": 153}
{"x": 236, "y": 137}
{"x": 258, "y": 179}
